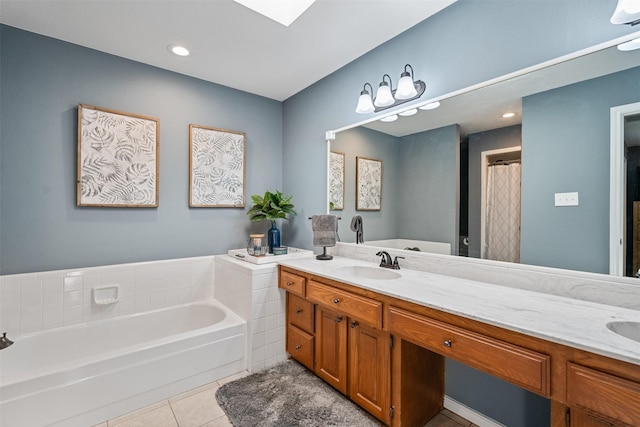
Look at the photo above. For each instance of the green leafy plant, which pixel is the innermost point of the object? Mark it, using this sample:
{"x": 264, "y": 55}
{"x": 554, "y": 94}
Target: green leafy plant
{"x": 271, "y": 206}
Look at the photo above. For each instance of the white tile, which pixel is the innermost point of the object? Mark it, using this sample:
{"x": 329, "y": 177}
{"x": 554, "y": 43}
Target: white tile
{"x": 257, "y": 355}
{"x": 30, "y": 321}
{"x": 10, "y": 291}
{"x": 126, "y": 305}
{"x": 271, "y": 336}
{"x": 171, "y": 297}
{"x": 271, "y": 308}
{"x": 92, "y": 280}
{"x": 142, "y": 303}
{"x": 271, "y": 322}
{"x": 272, "y": 350}
{"x": 257, "y": 326}
{"x": 259, "y": 296}
{"x": 197, "y": 409}
{"x": 126, "y": 290}
{"x": 127, "y": 277}
{"x": 73, "y": 283}
{"x": 258, "y": 340}
{"x": 110, "y": 310}
{"x": 257, "y": 367}
{"x": 91, "y": 312}
{"x": 142, "y": 274}
{"x": 52, "y": 318}
{"x": 51, "y": 298}
{"x": 31, "y": 295}
{"x": 156, "y": 299}
{"x": 72, "y": 315}
{"x": 52, "y": 284}
{"x": 275, "y": 294}
{"x": 258, "y": 311}
{"x": 109, "y": 278}
{"x": 143, "y": 287}
{"x": 72, "y": 299}
{"x": 10, "y": 324}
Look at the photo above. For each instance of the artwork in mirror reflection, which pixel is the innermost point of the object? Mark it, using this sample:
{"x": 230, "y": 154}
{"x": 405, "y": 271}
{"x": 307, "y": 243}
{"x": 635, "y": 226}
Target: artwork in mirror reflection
{"x": 563, "y": 130}
{"x": 368, "y": 184}
{"x": 336, "y": 180}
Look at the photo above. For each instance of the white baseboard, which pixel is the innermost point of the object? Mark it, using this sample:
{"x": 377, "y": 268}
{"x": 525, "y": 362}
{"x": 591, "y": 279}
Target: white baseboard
{"x": 470, "y": 414}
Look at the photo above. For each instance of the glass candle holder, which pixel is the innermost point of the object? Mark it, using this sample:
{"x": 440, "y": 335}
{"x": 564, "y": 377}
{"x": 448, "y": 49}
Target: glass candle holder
{"x": 257, "y": 245}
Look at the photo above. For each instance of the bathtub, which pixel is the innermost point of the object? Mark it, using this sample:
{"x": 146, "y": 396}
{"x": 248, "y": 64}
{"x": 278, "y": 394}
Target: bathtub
{"x": 84, "y": 374}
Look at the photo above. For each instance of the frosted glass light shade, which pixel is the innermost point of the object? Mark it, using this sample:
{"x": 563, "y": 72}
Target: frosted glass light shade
{"x": 627, "y": 12}
{"x": 384, "y": 97}
{"x": 406, "y": 89}
{"x": 387, "y": 119}
{"x": 365, "y": 105}
{"x": 630, "y": 45}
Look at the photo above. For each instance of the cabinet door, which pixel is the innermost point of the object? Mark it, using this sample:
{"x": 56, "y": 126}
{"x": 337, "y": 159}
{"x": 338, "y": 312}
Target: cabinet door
{"x": 369, "y": 369}
{"x": 331, "y": 348}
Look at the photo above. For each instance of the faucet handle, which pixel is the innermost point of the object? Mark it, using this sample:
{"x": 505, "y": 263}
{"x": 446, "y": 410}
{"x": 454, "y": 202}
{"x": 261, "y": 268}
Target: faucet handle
{"x": 396, "y": 266}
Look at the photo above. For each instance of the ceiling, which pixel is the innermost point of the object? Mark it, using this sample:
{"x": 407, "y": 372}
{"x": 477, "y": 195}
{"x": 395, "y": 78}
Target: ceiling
{"x": 230, "y": 44}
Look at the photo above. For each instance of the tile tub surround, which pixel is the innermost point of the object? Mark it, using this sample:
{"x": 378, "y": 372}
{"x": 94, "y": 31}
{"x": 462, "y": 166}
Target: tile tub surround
{"x": 568, "y": 321}
{"x": 599, "y": 288}
{"x": 251, "y": 290}
{"x": 35, "y": 301}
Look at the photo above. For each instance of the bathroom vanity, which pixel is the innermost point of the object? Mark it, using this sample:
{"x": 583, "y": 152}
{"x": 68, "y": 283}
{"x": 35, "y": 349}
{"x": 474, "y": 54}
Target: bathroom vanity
{"x": 381, "y": 337}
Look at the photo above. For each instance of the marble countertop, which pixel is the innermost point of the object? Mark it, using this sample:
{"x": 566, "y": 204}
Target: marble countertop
{"x": 572, "y": 322}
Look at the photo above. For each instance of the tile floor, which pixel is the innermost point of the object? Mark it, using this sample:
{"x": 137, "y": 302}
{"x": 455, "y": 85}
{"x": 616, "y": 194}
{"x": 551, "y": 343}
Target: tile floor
{"x": 199, "y": 408}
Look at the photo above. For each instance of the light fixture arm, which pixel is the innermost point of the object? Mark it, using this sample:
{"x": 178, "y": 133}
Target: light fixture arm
{"x": 406, "y": 72}
{"x": 390, "y": 81}
{"x": 364, "y": 89}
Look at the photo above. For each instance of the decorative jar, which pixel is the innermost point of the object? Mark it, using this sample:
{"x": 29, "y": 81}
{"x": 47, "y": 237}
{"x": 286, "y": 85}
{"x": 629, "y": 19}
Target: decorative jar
{"x": 257, "y": 245}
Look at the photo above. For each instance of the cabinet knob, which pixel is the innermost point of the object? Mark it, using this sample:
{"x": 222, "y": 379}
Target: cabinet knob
{"x": 339, "y": 319}
{"x": 298, "y": 346}
{"x": 353, "y": 324}
{"x": 289, "y": 283}
{"x": 336, "y": 300}
{"x": 298, "y": 311}
{"x": 447, "y": 343}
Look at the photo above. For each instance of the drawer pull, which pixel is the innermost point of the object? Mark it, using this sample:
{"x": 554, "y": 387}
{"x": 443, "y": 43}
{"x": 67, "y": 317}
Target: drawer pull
{"x": 339, "y": 319}
{"x": 353, "y": 324}
{"x": 298, "y": 346}
{"x": 298, "y": 311}
{"x": 336, "y": 300}
{"x": 447, "y": 343}
{"x": 289, "y": 283}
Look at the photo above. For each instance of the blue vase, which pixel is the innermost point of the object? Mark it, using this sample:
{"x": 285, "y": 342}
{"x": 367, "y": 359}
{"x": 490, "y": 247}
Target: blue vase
{"x": 273, "y": 237}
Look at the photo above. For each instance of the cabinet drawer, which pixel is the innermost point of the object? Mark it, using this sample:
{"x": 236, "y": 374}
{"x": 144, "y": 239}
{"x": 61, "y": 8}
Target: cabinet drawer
{"x": 292, "y": 283}
{"x": 300, "y": 313}
{"x": 518, "y": 365}
{"x": 300, "y": 346}
{"x": 355, "y": 306}
{"x": 617, "y": 399}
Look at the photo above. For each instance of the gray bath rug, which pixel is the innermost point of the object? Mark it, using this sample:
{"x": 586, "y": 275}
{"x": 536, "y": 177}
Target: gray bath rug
{"x": 288, "y": 395}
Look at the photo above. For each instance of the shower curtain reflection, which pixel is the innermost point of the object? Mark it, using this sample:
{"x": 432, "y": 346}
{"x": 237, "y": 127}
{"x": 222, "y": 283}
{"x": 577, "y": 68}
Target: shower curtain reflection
{"x": 502, "y": 228}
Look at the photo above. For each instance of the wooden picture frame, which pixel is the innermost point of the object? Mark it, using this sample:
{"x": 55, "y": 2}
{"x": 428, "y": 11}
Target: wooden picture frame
{"x": 216, "y": 167}
{"x": 118, "y": 159}
{"x": 368, "y": 184}
{"x": 336, "y": 179}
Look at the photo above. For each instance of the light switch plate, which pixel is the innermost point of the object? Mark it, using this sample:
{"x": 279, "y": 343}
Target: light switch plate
{"x": 566, "y": 199}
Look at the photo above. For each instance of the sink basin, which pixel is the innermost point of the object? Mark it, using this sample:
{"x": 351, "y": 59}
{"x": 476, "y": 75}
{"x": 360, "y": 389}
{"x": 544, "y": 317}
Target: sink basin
{"x": 629, "y": 330}
{"x": 376, "y": 273}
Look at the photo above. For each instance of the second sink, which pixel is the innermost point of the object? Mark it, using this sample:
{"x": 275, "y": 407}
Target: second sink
{"x": 364, "y": 272}
{"x": 629, "y": 330}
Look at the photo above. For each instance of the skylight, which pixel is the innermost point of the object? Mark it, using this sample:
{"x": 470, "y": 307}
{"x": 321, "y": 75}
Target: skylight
{"x": 281, "y": 11}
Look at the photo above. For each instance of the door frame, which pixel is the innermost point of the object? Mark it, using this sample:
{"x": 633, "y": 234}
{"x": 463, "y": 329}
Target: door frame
{"x": 617, "y": 185}
{"x": 484, "y": 169}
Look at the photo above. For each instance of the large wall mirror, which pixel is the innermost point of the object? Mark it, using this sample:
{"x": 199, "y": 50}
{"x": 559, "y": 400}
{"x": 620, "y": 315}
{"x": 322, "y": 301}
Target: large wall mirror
{"x": 457, "y": 178}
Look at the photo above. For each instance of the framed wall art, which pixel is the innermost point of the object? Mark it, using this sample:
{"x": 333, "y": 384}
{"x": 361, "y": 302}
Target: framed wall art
{"x": 216, "y": 167}
{"x": 336, "y": 180}
{"x": 368, "y": 184}
{"x": 117, "y": 159}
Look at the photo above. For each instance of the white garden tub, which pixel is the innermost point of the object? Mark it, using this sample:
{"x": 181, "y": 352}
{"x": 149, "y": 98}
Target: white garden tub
{"x": 84, "y": 374}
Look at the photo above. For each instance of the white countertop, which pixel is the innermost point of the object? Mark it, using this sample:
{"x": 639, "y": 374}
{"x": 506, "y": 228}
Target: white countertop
{"x": 572, "y": 322}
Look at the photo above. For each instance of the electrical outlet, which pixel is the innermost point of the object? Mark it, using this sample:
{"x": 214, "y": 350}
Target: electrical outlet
{"x": 566, "y": 199}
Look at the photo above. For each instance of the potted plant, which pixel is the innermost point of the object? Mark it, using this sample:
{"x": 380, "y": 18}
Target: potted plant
{"x": 271, "y": 206}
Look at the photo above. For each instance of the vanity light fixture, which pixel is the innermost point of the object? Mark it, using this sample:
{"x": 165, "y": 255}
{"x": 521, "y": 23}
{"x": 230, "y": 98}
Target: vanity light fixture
{"x": 178, "y": 50}
{"x": 627, "y": 12}
{"x": 430, "y": 106}
{"x": 630, "y": 45}
{"x": 387, "y": 97}
{"x": 391, "y": 118}
{"x": 508, "y": 115}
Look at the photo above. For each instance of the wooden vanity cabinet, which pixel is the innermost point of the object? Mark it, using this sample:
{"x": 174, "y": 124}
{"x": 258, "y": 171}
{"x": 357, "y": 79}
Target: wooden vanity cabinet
{"x": 351, "y": 351}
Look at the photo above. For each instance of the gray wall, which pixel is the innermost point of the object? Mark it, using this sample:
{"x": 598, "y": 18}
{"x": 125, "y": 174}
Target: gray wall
{"x": 429, "y": 184}
{"x": 368, "y": 143}
{"x": 43, "y": 81}
{"x": 478, "y": 142}
{"x": 565, "y": 148}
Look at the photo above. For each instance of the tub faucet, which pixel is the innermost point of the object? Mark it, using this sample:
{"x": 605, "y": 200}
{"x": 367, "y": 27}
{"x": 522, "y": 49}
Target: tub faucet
{"x": 4, "y": 341}
{"x": 385, "y": 261}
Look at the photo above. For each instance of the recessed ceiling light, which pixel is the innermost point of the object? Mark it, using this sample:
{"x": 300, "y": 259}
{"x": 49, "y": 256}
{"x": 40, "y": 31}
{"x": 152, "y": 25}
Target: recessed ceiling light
{"x": 508, "y": 115}
{"x": 392, "y": 118}
{"x": 431, "y": 106}
{"x": 409, "y": 112}
{"x": 630, "y": 45}
{"x": 282, "y": 11}
{"x": 178, "y": 50}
